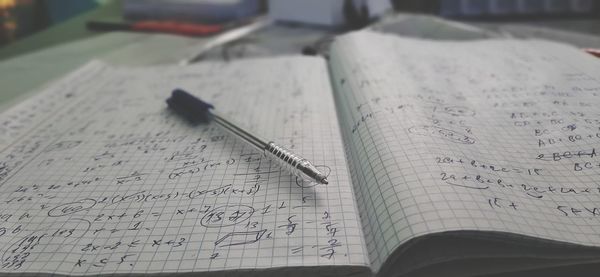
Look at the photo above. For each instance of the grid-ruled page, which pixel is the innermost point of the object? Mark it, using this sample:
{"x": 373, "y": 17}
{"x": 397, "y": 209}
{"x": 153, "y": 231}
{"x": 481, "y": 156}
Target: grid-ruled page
{"x": 114, "y": 182}
{"x": 20, "y": 119}
{"x": 498, "y": 135}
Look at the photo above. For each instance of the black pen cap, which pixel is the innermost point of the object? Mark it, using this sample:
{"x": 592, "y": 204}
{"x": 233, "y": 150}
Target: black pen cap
{"x": 190, "y": 107}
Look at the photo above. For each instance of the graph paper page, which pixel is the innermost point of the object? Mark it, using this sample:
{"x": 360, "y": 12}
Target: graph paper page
{"x": 18, "y": 120}
{"x": 114, "y": 182}
{"x": 491, "y": 135}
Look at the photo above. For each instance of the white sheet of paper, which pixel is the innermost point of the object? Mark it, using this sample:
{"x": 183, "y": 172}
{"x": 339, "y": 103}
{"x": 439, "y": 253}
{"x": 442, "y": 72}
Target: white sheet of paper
{"x": 497, "y": 135}
{"x": 103, "y": 178}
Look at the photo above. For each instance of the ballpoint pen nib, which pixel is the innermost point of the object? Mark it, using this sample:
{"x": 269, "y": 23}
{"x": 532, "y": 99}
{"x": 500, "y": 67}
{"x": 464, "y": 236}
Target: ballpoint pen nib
{"x": 321, "y": 178}
{"x": 309, "y": 172}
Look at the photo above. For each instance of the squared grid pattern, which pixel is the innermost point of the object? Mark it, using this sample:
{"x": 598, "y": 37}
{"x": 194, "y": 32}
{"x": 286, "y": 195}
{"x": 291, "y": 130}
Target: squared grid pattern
{"x": 113, "y": 182}
{"x": 436, "y": 141}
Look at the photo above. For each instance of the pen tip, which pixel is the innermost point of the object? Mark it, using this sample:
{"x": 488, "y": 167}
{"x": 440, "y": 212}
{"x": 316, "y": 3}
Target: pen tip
{"x": 324, "y": 181}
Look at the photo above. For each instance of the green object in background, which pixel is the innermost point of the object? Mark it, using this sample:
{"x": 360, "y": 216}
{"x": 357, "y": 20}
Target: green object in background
{"x": 30, "y": 17}
{"x": 68, "y": 31}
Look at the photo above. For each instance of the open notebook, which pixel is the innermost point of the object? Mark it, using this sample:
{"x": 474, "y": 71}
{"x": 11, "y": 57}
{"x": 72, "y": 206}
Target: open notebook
{"x": 461, "y": 158}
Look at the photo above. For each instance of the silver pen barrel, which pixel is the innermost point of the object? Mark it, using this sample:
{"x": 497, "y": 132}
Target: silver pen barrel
{"x": 198, "y": 111}
{"x": 295, "y": 164}
{"x": 284, "y": 158}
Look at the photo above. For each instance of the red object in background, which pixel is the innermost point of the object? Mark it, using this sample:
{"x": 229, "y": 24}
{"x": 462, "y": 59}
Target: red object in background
{"x": 171, "y": 27}
{"x": 595, "y": 52}
{"x": 187, "y": 29}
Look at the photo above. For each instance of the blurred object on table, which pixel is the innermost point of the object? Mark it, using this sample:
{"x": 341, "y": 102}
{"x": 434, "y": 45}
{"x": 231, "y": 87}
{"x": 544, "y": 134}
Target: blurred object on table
{"x": 204, "y": 11}
{"x": 61, "y": 10}
{"x": 593, "y": 51}
{"x": 431, "y": 27}
{"x": 502, "y": 9}
{"x": 19, "y": 18}
{"x": 329, "y": 13}
{"x": 578, "y": 38}
{"x": 153, "y": 26}
{"x": 8, "y": 24}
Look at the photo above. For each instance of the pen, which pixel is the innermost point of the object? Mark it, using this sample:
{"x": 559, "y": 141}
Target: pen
{"x": 198, "y": 111}
{"x": 225, "y": 38}
{"x": 593, "y": 51}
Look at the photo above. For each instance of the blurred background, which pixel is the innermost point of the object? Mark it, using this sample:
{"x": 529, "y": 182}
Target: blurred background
{"x": 20, "y": 18}
{"x": 42, "y": 40}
